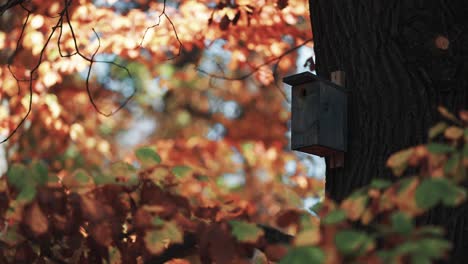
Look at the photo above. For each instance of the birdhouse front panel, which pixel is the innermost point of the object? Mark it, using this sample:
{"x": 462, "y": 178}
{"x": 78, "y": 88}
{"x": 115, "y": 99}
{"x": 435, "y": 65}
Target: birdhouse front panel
{"x": 319, "y": 115}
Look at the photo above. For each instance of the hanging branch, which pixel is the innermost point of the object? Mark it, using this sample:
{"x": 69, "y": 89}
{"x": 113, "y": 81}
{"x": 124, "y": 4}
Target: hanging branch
{"x": 255, "y": 68}
{"x": 163, "y": 13}
{"x": 63, "y": 14}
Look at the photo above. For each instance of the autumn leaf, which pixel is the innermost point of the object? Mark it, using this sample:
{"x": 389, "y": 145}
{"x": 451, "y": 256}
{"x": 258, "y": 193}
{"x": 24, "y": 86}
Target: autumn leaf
{"x": 282, "y": 4}
{"x": 399, "y": 161}
{"x": 115, "y": 257}
{"x": 78, "y": 181}
{"x": 308, "y": 237}
{"x": 354, "y": 206}
{"x": 438, "y": 129}
{"x": 36, "y": 220}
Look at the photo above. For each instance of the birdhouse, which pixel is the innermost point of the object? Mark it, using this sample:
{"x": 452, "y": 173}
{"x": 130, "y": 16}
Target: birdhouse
{"x": 319, "y": 115}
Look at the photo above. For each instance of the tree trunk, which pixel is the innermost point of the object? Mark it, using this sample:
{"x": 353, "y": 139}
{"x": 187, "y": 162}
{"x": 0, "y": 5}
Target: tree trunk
{"x": 402, "y": 58}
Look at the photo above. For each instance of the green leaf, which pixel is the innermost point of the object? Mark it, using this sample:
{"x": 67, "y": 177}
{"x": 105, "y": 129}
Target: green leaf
{"x": 437, "y": 129}
{"x": 432, "y": 191}
{"x": 432, "y": 247}
{"x": 350, "y": 242}
{"x": 431, "y": 230}
{"x": 158, "y": 239}
{"x": 427, "y": 194}
{"x": 334, "y": 217}
{"x": 147, "y": 156}
{"x": 157, "y": 221}
{"x": 438, "y": 148}
{"x": 11, "y": 236}
{"x": 303, "y": 255}
{"x": 180, "y": 171}
{"x": 40, "y": 173}
{"x": 401, "y": 223}
{"x": 27, "y": 194}
{"x": 418, "y": 259}
{"x": 452, "y": 164}
{"x": 77, "y": 180}
{"x": 380, "y": 183}
{"x": 123, "y": 173}
{"x": 245, "y": 232}
{"x": 17, "y": 176}
{"x": 316, "y": 207}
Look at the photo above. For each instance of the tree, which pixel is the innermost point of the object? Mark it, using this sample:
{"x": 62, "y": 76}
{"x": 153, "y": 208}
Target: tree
{"x": 402, "y": 59}
{"x": 75, "y": 183}
{"x": 154, "y": 132}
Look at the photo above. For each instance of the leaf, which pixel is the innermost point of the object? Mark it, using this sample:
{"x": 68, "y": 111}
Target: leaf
{"x": 17, "y": 176}
{"x": 77, "y": 180}
{"x": 302, "y": 255}
{"x": 354, "y": 206}
{"x": 427, "y": 194}
{"x": 11, "y": 236}
{"x": 437, "y": 129}
{"x": 316, "y": 208}
{"x": 157, "y": 240}
{"x": 114, "y": 255}
{"x": 147, "y": 156}
{"x": 431, "y": 230}
{"x": 452, "y": 164}
{"x": 40, "y": 173}
{"x": 401, "y": 223}
{"x": 399, "y": 161}
{"x": 123, "y": 173}
{"x": 308, "y": 237}
{"x": 334, "y": 217}
{"x": 180, "y": 171}
{"x": 432, "y": 247}
{"x": 245, "y": 232}
{"x": 445, "y": 113}
{"x": 27, "y": 194}
{"x": 453, "y": 133}
{"x": 438, "y": 148}
{"x": 432, "y": 191}
{"x": 224, "y": 23}
{"x": 380, "y": 183}
{"x": 350, "y": 242}
{"x": 282, "y": 4}
{"x": 36, "y": 220}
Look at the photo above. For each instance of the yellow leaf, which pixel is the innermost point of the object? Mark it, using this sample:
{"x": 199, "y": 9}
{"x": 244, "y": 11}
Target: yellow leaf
{"x": 453, "y": 133}
{"x": 308, "y": 237}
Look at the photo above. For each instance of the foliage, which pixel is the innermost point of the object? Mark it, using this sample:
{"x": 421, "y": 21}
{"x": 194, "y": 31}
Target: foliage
{"x": 388, "y": 209}
{"x": 80, "y": 189}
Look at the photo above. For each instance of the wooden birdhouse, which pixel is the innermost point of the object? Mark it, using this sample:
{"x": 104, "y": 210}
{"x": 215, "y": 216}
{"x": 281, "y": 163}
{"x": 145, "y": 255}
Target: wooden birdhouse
{"x": 319, "y": 116}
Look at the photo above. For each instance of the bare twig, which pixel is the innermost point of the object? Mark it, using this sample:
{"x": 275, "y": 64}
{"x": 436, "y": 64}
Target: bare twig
{"x": 163, "y": 13}
{"x": 255, "y": 68}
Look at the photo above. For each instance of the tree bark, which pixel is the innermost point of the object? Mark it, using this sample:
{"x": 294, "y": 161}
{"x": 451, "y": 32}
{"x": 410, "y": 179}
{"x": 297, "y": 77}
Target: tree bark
{"x": 402, "y": 58}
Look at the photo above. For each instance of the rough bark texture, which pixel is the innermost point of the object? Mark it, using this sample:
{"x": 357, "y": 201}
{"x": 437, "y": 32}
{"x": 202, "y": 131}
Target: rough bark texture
{"x": 399, "y": 69}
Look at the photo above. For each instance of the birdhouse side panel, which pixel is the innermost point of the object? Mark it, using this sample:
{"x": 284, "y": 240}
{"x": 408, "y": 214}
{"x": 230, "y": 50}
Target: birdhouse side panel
{"x": 333, "y": 118}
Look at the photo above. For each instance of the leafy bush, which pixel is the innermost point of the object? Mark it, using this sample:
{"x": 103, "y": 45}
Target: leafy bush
{"x": 131, "y": 213}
